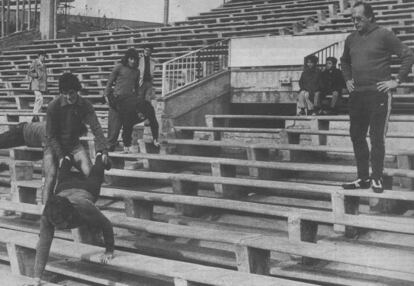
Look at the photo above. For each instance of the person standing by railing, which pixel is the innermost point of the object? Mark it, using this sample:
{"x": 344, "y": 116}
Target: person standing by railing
{"x": 125, "y": 79}
{"x": 366, "y": 65}
{"x": 146, "y": 68}
{"x": 38, "y": 82}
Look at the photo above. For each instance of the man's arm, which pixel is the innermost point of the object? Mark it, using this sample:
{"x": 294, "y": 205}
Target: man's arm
{"x": 92, "y": 121}
{"x": 52, "y": 130}
{"x": 47, "y": 231}
{"x": 150, "y": 115}
{"x": 346, "y": 61}
{"x": 32, "y": 70}
{"x": 395, "y": 46}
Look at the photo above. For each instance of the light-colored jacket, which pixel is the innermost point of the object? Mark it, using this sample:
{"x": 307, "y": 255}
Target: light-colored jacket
{"x": 141, "y": 67}
{"x": 38, "y": 76}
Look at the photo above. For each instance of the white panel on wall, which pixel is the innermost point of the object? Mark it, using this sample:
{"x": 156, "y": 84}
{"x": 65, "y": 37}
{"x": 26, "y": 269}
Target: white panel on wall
{"x": 277, "y": 50}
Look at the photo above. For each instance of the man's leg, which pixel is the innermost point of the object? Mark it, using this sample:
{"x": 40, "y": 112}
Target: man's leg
{"x": 149, "y": 91}
{"x": 13, "y": 137}
{"x": 317, "y": 101}
{"x": 114, "y": 127}
{"x": 378, "y": 129}
{"x": 49, "y": 167}
{"x": 38, "y": 101}
{"x": 334, "y": 100}
{"x": 82, "y": 160}
{"x": 359, "y": 122}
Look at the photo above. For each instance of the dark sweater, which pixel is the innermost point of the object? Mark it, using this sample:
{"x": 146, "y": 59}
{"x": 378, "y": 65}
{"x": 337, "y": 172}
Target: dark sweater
{"x": 126, "y": 80}
{"x": 367, "y": 57}
{"x": 65, "y": 124}
{"x": 332, "y": 80}
{"x": 310, "y": 80}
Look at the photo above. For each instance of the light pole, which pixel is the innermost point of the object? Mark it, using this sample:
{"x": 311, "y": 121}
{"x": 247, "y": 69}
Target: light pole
{"x": 166, "y": 11}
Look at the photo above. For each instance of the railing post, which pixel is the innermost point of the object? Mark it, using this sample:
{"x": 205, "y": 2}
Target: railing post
{"x": 164, "y": 79}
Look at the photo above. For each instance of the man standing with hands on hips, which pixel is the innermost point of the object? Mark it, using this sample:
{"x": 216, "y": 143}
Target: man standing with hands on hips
{"x": 366, "y": 65}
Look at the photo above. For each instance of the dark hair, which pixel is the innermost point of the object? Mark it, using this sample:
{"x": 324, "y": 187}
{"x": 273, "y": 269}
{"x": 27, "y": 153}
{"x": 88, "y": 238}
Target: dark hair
{"x": 368, "y": 11}
{"x": 130, "y": 53}
{"x": 40, "y": 53}
{"x": 332, "y": 59}
{"x": 150, "y": 47}
{"x": 312, "y": 58}
{"x": 58, "y": 209}
{"x": 69, "y": 81}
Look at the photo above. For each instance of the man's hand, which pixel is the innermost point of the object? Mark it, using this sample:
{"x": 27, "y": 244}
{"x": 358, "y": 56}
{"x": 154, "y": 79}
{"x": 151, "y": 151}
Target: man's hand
{"x": 35, "y": 282}
{"x": 350, "y": 85}
{"x": 156, "y": 143}
{"x": 387, "y": 85}
{"x": 106, "y": 257}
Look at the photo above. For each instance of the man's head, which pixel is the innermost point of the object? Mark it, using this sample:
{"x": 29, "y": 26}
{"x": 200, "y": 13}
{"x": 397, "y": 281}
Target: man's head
{"x": 311, "y": 61}
{"x": 41, "y": 55}
{"x": 69, "y": 86}
{"x": 59, "y": 211}
{"x": 362, "y": 16}
{"x": 331, "y": 63}
{"x": 130, "y": 58}
{"x": 148, "y": 51}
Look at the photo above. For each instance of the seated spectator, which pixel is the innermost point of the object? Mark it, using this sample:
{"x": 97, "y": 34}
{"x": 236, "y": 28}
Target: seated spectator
{"x": 332, "y": 83}
{"x": 309, "y": 83}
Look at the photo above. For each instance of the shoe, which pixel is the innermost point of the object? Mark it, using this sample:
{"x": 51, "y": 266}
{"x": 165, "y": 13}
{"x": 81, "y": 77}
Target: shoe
{"x": 377, "y": 186}
{"x": 127, "y": 149}
{"x": 302, "y": 112}
{"x": 357, "y": 184}
{"x": 107, "y": 164}
{"x": 35, "y": 118}
{"x": 311, "y": 112}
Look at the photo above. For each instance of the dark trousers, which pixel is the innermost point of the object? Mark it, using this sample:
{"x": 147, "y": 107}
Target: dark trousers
{"x": 92, "y": 183}
{"x": 13, "y": 137}
{"x": 114, "y": 127}
{"x": 369, "y": 109}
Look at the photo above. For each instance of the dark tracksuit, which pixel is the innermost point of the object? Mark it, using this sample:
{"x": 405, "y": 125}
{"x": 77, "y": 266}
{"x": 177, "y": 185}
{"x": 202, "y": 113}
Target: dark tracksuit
{"x": 129, "y": 117}
{"x": 82, "y": 193}
{"x": 366, "y": 59}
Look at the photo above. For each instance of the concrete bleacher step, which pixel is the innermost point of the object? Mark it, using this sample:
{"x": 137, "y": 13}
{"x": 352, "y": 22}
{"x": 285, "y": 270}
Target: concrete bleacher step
{"x": 12, "y": 279}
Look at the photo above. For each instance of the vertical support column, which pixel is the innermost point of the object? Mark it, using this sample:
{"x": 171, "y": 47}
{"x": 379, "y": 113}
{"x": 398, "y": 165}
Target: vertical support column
{"x": 138, "y": 209}
{"x": 302, "y": 230}
{"x": 36, "y": 12}
{"x": 338, "y": 208}
{"x": 17, "y": 15}
{"x": 332, "y": 10}
{"x": 220, "y": 170}
{"x": 252, "y": 260}
{"x": 166, "y": 11}
{"x": 181, "y": 187}
{"x": 3, "y": 22}
{"x": 316, "y": 125}
{"x": 23, "y": 14}
{"x": 47, "y": 19}
{"x": 21, "y": 259}
{"x": 255, "y": 154}
{"x": 29, "y": 16}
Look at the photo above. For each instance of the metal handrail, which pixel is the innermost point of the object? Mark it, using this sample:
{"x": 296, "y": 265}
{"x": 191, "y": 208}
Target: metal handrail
{"x": 333, "y": 50}
{"x": 187, "y": 69}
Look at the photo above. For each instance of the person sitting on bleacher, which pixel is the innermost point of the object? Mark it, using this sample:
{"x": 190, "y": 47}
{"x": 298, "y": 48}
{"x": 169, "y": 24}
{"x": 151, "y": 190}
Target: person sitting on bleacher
{"x": 66, "y": 116}
{"x": 136, "y": 111}
{"x": 73, "y": 206}
{"x": 332, "y": 83}
{"x": 309, "y": 83}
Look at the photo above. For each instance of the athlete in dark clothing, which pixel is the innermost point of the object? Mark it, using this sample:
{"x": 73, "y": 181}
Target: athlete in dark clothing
{"x": 73, "y": 206}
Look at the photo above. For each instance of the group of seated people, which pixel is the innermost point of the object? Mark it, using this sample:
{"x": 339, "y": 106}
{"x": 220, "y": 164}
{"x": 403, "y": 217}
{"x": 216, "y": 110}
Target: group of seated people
{"x": 315, "y": 85}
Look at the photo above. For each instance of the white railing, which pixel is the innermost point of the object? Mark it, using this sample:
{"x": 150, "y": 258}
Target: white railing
{"x": 194, "y": 66}
{"x": 334, "y": 50}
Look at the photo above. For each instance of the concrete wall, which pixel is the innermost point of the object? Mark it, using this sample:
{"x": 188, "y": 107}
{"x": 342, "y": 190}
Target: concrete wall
{"x": 258, "y": 85}
{"x": 188, "y": 106}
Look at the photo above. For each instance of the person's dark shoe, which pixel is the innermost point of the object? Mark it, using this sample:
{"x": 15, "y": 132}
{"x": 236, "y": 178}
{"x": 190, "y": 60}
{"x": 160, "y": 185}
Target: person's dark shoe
{"x": 312, "y": 112}
{"x": 357, "y": 184}
{"x": 107, "y": 164}
{"x": 302, "y": 112}
{"x": 35, "y": 118}
{"x": 351, "y": 232}
{"x": 377, "y": 185}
